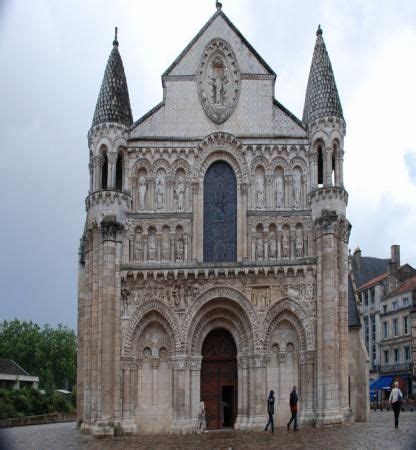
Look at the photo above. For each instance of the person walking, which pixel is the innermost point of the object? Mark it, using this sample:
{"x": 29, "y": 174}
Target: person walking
{"x": 201, "y": 418}
{"x": 293, "y": 403}
{"x": 395, "y": 400}
{"x": 270, "y": 411}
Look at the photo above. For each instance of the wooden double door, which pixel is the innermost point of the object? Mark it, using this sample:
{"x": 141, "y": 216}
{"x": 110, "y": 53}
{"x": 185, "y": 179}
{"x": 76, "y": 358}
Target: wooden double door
{"x": 219, "y": 379}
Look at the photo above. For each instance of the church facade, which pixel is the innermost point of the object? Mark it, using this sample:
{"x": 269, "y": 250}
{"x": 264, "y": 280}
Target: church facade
{"x": 214, "y": 261}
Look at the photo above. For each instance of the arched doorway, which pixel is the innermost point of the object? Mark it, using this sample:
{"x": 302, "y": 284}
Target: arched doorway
{"x": 219, "y": 379}
{"x": 220, "y": 213}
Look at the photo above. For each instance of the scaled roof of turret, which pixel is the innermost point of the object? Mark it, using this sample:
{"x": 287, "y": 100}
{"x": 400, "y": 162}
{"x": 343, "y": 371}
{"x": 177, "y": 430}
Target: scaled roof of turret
{"x": 321, "y": 98}
{"x": 113, "y": 104}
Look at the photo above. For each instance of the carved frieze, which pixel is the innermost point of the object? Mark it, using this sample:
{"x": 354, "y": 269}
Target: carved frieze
{"x": 218, "y": 80}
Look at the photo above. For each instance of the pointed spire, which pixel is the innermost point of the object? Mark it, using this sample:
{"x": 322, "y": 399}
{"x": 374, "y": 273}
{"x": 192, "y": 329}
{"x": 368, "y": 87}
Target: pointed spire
{"x": 113, "y": 104}
{"x": 321, "y": 98}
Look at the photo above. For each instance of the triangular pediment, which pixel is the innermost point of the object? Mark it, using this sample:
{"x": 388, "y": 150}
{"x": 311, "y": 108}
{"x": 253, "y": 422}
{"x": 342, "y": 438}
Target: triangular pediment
{"x": 219, "y": 26}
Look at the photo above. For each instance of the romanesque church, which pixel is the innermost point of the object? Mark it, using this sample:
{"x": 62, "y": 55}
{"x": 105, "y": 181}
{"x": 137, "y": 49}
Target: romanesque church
{"x": 214, "y": 259}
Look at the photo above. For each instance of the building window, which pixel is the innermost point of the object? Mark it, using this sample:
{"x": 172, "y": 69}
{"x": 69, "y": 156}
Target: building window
{"x": 386, "y": 356}
{"x": 365, "y": 295}
{"x": 384, "y": 309}
{"x": 396, "y": 355}
{"x": 407, "y": 353}
{"x": 395, "y": 327}
{"x": 373, "y": 355}
{"x": 366, "y": 330}
{"x": 373, "y": 328}
{"x": 394, "y": 306}
{"x": 372, "y": 295}
{"x": 405, "y": 301}
{"x": 385, "y": 330}
{"x": 406, "y": 324}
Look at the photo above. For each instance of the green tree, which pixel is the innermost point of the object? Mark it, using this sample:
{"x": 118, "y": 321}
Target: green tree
{"x": 49, "y": 353}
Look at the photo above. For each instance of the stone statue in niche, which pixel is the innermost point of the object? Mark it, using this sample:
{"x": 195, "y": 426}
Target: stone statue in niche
{"x": 152, "y": 247}
{"x": 285, "y": 244}
{"x": 260, "y": 192}
{"x": 165, "y": 247}
{"x": 179, "y": 249}
{"x": 160, "y": 192}
{"x": 279, "y": 193}
{"x": 299, "y": 243}
{"x": 259, "y": 248}
{"x": 138, "y": 247}
{"x": 297, "y": 187}
{"x": 272, "y": 246}
{"x": 142, "y": 191}
{"x": 179, "y": 193}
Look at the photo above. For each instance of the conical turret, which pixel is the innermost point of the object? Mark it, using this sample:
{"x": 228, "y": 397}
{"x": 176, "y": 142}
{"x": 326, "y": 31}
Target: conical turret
{"x": 322, "y": 98}
{"x": 113, "y": 104}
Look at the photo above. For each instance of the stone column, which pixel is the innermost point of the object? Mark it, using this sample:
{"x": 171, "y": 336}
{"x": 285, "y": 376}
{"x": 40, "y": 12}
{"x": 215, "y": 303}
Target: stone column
{"x": 125, "y": 185}
{"x": 97, "y": 162}
{"x": 111, "y": 175}
{"x": 269, "y": 193}
{"x": 195, "y": 362}
{"x": 181, "y": 396}
{"x": 243, "y": 221}
{"x": 257, "y": 392}
{"x": 339, "y": 181}
{"x": 307, "y": 387}
{"x": 328, "y": 411}
{"x": 266, "y": 245}
{"x": 313, "y": 161}
{"x": 342, "y": 244}
{"x": 279, "y": 244}
{"x": 328, "y": 167}
{"x": 170, "y": 184}
{"x": 188, "y": 197}
{"x": 288, "y": 191}
{"x": 109, "y": 331}
{"x": 172, "y": 246}
{"x": 243, "y": 391}
{"x": 197, "y": 229}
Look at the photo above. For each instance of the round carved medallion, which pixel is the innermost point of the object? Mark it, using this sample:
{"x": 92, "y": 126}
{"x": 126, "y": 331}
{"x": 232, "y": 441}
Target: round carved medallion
{"x": 219, "y": 80}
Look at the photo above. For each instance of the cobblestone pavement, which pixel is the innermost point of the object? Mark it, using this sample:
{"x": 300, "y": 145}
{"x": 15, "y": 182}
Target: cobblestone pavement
{"x": 378, "y": 434}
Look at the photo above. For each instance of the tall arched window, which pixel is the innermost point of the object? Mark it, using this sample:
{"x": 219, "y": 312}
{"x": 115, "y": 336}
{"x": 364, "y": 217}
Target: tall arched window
{"x": 119, "y": 173}
{"x": 104, "y": 172}
{"x": 320, "y": 166}
{"x": 220, "y": 213}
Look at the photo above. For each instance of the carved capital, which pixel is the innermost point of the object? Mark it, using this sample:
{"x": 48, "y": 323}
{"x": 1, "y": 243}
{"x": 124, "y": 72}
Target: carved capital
{"x": 110, "y": 227}
{"x": 327, "y": 223}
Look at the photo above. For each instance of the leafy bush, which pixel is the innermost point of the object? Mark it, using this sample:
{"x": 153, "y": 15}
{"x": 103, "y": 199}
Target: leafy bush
{"x": 31, "y": 402}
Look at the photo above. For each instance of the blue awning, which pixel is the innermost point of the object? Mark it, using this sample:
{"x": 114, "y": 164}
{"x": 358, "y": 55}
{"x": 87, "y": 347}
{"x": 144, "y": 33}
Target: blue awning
{"x": 384, "y": 382}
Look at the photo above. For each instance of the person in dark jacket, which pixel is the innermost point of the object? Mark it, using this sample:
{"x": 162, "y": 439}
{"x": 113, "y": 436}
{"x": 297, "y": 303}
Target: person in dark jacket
{"x": 293, "y": 403}
{"x": 270, "y": 410}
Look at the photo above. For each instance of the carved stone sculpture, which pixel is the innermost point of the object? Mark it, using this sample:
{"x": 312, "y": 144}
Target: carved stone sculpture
{"x": 260, "y": 193}
{"x": 142, "y": 192}
{"x": 179, "y": 193}
{"x": 286, "y": 245}
{"x": 160, "y": 192}
{"x": 259, "y": 248}
{"x": 279, "y": 194}
{"x": 299, "y": 243}
{"x": 218, "y": 80}
{"x": 138, "y": 247}
{"x": 272, "y": 247}
{"x": 165, "y": 247}
{"x": 296, "y": 189}
{"x": 152, "y": 247}
{"x": 179, "y": 249}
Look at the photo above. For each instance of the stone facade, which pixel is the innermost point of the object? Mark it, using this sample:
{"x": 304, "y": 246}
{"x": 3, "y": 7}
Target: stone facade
{"x": 217, "y": 210}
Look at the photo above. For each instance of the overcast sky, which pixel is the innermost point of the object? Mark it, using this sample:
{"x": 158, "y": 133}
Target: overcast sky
{"x": 53, "y": 55}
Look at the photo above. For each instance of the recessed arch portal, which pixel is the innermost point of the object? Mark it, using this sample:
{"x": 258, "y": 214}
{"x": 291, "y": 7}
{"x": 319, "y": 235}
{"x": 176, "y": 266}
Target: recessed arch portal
{"x": 220, "y": 213}
{"x": 219, "y": 378}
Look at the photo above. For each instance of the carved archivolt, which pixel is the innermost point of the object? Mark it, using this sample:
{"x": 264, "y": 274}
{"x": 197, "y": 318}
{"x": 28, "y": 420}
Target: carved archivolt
{"x": 221, "y": 146}
{"x": 160, "y": 164}
{"x": 137, "y": 323}
{"x": 234, "y": 300}
{"x": 289, "y": 310}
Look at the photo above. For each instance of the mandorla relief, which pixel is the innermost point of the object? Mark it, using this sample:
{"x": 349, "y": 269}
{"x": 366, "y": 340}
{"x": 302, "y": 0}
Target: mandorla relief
{"x": 218, "y": 80}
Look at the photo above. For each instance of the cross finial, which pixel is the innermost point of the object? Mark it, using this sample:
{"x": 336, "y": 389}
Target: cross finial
{"x": 319, "y": 31}
{"x": 115, "y": 42}
{"x": 218, "y": 5}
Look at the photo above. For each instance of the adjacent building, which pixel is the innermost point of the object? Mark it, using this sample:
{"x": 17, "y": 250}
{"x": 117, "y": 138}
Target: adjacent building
{"x": 12, "y": 376}
{"x": 384, "y": 297}
{"x": 214, "y": 261}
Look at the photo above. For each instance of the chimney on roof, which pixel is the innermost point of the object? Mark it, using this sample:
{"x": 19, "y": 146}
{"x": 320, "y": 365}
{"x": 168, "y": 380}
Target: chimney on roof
{"x": 357, "y": 259}
{"x": 394, "y": 263}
